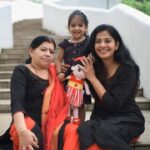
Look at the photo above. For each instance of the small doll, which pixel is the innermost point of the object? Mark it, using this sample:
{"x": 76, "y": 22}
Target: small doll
{"x": 75, "y": 90}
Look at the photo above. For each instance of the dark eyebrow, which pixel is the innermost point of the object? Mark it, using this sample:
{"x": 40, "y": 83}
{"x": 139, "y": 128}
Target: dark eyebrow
{"x": 47, "y": 48}
{"x": 105, "y": 38}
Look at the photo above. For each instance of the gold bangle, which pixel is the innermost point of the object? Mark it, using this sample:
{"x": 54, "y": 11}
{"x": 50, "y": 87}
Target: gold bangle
{"x": 21, "y": 132}
{"x": 59, "y": 73}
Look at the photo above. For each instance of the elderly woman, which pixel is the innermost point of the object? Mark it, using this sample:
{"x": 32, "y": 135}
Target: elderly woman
{"x": 36, "y": 105}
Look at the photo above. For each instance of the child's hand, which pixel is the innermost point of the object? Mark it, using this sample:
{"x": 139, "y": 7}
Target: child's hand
{"x": 65, "y": 67}
{"x": 68, "y": 77}
{"x": 61, "y": 76}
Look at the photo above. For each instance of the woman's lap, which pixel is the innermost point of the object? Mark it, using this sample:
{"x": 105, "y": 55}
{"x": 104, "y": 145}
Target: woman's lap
{"x": 71, "y": 141}
{"x": 104, "y": 133}
{"x": 6, "y": 143}
{"x": 37, "y": 131}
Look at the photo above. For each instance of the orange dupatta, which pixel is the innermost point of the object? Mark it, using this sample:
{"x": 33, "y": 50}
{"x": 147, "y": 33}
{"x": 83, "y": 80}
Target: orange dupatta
{"x": 58, "y": 109}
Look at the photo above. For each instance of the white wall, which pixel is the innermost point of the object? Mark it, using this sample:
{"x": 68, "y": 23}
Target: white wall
{"x": 11, "y": 12}
{"x": 133, "y": 25}
{"x": 89, "y": 3}
{"x": 25, "y": 9}
{"x": 6, "y": 29}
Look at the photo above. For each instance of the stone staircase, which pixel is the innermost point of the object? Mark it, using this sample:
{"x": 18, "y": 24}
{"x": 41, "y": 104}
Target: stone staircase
{"x": 24, "y": 32}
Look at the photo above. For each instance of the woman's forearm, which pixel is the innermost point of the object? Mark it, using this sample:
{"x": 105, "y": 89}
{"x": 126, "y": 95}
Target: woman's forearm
{"x": 19, "y": 122}
{"x": 98, "y": 87}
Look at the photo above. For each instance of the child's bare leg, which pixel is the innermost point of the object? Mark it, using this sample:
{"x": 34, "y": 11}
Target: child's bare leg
{"x": 69, "y": 114}
{"x": 76, "y": 119}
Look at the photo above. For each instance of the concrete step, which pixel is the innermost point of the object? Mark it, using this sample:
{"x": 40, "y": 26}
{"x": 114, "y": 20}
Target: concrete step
{"x": 5, "y": 123}
{"x": 4, "y": 93}
{"x": 142, "y": 144}
{"x": 5, "y": 106}
{"x": 7, "y": 67}
{"x": 13, "y": 56}
{"x": 139, "y": 92}
{"x": 15, "y": 51}
{"x": 12, "y": 61}
{"x": 142, "y": 102}
{"x": 4, "y": 83}
{"x": 5, "y": 74}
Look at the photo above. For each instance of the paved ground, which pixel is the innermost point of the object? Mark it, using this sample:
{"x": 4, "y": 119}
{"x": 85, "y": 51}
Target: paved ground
{"x": 5, "y": 120}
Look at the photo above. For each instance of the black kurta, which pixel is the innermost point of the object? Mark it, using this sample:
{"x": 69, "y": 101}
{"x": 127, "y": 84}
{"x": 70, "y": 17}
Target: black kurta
{"x": 27, "y": 92}
{"x": 116, "y": 119}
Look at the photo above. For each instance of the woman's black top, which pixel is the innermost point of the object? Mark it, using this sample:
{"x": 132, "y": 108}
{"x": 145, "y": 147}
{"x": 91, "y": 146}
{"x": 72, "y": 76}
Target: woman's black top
{"x": 116, "y": 119}
{"x": 27, "y": 91}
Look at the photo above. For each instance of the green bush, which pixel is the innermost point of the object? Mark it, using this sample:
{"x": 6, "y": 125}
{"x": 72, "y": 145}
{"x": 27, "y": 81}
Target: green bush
{"x": 142, "y": 5}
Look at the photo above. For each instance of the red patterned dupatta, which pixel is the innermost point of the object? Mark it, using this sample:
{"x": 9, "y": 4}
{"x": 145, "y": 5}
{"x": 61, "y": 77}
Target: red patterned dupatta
{"x": 57, "y": 111}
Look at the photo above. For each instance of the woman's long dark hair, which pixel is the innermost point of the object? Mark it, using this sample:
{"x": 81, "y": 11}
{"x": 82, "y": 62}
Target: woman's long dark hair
{"x": 121, "y": 56}
{"x": 38, "y": 41}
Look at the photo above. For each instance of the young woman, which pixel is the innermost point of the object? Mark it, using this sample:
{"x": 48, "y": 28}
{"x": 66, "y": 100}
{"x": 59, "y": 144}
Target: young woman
{"x": 116, "y": 119}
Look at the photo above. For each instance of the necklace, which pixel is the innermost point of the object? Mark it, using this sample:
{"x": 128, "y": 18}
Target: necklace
{"x": 77, "y": 41}
{"x": 42, "y": 73}
{"x": 33, "y": 66}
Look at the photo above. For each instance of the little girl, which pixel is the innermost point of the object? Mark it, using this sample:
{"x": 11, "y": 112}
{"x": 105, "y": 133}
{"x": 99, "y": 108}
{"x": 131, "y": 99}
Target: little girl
{"x": 72, "y": 48}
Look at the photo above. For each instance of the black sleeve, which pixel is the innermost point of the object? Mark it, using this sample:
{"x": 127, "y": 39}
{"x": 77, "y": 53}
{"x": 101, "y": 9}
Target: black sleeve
{"x": 114, "y": 100}
{"x": 63, "y": 44}
{"x": 18, "y": 89}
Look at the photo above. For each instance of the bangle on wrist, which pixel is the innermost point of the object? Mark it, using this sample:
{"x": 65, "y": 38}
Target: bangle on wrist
{"x": 22, "y": 131}
{"x": 59, "y": 73}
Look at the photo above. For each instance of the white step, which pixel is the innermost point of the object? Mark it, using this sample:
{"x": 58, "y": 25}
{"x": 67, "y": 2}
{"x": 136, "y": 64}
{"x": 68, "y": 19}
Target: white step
{"x": 142, "y": 102}
{"x": 5, "y": 74}
{"x": 4, "y": 93}
{"x": 4, "y": 83}
{"x": 7, "y": 67}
